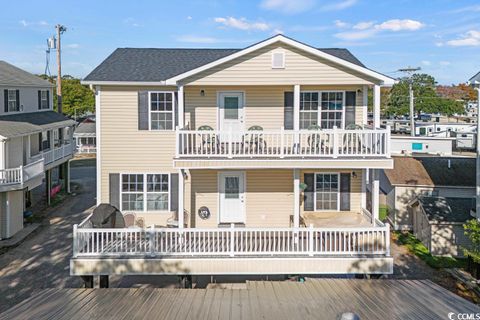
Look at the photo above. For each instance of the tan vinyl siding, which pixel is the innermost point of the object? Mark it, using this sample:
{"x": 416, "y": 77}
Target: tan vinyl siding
{"x": 124, "y": 148}
{"x": 256, "y": 68}
{"x": 355, "y": 188}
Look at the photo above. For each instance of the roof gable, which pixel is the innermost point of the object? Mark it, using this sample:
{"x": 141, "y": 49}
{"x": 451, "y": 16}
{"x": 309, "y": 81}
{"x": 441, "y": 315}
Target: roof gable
{"x": 475, "y": 79}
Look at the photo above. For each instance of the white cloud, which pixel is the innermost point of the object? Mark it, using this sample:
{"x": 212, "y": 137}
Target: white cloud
{"x": 287, "y": 6}
{"x": 399, "y": 25}
{"x": 471, "y": 38}
{"x": 339, "y": 5}
{"x": 26, "y": 23}
{"x": 242, "y": 24}
{"x": 341, "y": 24}
{"x": 43, "y": 23}
{"x": 355, "y": 35}
{"x": 73, "y": 46}
{"x": 23, "y": 23}
{"x": 278, "y": 31}
{"x": 426, "y": 63}
{"x": 189, "y": 18}
{"x": 363, "y": 25}
{"x": 131, "y": 22}
{"x": 197, "y": 39}
{"x": 445, "y": 63}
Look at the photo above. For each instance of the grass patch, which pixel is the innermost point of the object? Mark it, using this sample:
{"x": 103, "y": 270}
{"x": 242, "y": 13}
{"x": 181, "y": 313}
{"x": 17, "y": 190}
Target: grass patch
{"x": 417, "y": 248}
{"x": 382, "y": 215}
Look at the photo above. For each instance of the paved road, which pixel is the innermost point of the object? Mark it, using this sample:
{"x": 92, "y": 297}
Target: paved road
{"x": 42, "y": 261}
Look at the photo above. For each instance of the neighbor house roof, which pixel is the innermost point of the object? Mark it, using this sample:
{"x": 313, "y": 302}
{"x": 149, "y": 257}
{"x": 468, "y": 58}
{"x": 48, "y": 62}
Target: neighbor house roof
{"x": 13, "y": 76}
{"x": 166, "y": 65}
{"x": 432, "y": 171}
{"x": 475, "y": 79}
{"x": 447, "y": 210}
{"x": 21, "y": 124}
{"x": 85, "y": 128}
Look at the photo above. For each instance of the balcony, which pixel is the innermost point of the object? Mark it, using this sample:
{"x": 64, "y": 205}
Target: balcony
{"x": 368, "y": 145}
{"x": 54, "y": 156}
{"x": 15, "y": 178}
{"x": 230, "y": 250}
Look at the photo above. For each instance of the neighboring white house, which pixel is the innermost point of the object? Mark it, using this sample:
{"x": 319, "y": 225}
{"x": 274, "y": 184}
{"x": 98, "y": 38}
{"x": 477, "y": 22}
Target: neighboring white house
{"x": 413, "y": 177}
{"x": 35, "y": 142}
{"x": 85, "y": 137}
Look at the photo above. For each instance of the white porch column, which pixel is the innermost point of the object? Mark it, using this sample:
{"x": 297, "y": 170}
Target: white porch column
{"x": 181, "y": 107}
{"x": 376, "y": 106}
{"x": 375, "y": 194}
{"x": 365, "y": 105}
{"x": 296, "y": 107}
{"x": 296, "y": 197}
{"x": 363, "y": 198}
{"x": 181, "y": 184}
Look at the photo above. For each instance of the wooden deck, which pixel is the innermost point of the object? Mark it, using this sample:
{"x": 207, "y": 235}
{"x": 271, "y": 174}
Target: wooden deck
{"x": 314, "y": 299}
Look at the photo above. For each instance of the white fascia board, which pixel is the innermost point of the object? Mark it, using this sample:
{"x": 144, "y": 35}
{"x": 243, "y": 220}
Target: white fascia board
{"x": 123, "y": 83}
{"x": 385, "y": 81}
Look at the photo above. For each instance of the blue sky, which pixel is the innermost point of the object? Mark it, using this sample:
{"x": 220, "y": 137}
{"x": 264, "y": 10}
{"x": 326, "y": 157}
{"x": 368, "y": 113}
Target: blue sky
{"x": 440, "y": 36}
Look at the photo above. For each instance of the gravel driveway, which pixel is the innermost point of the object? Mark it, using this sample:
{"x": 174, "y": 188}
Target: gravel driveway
{"x": 42, "y": 261}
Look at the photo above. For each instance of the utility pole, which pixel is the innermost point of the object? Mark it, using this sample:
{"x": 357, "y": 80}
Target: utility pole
{"x": 60, "y": 30}
{"x": 410, "y": 71}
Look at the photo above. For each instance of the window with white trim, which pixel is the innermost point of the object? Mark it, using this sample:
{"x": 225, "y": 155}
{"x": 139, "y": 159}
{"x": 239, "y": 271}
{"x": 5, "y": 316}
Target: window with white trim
{"x": 12, "y": 101}
{"x": 162, "y": 110}
{"x": 323, "y": 109}
{"x": 145, "y": 192}
{"x": 44, "y": 99}
{"x": 327, "y": 192}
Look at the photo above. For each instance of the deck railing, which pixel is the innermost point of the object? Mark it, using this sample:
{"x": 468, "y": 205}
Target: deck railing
{"x": 230, "y": 242}
{"x": 21, "y": 174}
{"x": 282, "y": 143}
{"x": 58, "y": 153}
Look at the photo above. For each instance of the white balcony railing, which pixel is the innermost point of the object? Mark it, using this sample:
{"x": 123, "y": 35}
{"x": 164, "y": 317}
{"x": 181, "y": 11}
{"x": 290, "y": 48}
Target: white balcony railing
{"x": 21, "y": 174}
{"x": 230, "y": 242}
{"x": 331, "y": 143}
{"x": 58, "y": 153}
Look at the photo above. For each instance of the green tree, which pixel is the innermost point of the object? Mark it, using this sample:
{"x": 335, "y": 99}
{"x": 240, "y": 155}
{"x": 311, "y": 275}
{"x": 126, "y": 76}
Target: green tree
{"x": 472, "y": 231}
{"x": 77, "y": 98}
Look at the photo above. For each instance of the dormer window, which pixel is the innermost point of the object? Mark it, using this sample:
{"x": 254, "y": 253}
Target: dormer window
{"x": 278, "y": 60}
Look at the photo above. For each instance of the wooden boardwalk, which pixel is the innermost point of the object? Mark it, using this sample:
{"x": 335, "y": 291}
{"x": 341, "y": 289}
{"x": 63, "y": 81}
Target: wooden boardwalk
{"x": 313, "y": 299}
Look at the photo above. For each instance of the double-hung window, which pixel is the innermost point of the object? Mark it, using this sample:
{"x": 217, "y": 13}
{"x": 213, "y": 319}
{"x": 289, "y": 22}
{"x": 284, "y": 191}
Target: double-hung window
{"x": 162, "y": 110}
{"x": 145, "y": 192}
{"x": 327, "y": 192}
{"x": 322, "y": 109}
{"x": 12, "y": 101}
{"x": 44, "y": 103}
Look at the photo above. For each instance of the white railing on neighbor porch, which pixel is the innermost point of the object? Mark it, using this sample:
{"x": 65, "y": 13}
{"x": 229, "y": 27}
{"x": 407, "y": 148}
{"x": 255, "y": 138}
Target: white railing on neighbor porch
{"x": 282, "y": 143}
{"x": 58, "y": 153}
{"x": 230, "y": 242}
{"x": 21, "y": 174}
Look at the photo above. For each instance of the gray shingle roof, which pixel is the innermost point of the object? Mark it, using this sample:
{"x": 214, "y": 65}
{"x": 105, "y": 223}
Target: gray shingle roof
{"x": 447, "y": 210}
{"x": 475, "y": 79}
{"x": 21, "y": 124}
{"x": 13, "y": 76}
{"x": 154, "y": 64}
{"x": 85, "y": 127}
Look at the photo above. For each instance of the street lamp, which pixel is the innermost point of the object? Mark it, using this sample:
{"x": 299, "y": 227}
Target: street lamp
{"x": 475, "y": 83}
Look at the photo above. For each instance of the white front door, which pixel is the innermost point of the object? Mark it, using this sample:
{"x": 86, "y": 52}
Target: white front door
{"x": 231, "y": 111}
{"x": 232, "y": 197}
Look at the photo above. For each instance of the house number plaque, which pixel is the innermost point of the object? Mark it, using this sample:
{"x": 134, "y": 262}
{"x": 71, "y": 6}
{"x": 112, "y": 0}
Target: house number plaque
{"x": 204, "y": 213}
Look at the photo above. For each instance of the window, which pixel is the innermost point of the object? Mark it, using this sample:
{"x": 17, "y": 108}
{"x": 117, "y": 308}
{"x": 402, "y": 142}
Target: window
{"x": 145, "y": 192}
{"x": 327, "y": 191}
{"x": 161, "y": 110}
{"x": 324, "y": 109}
{"x": 332, "y": 110}
{"x": 44, "y": 103}
{"x": 45, "y": 140}
{"x": 13, "y": 104}
{"x": 308, "y": 109}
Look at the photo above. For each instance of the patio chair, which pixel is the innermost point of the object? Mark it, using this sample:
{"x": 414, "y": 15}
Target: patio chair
{"x": 314, "y": 140}
{"x": 172, "y": 222}
{"x": 350, "y": 142}
{"x": 255, "y": 141}
{"x": 208, "y": 139}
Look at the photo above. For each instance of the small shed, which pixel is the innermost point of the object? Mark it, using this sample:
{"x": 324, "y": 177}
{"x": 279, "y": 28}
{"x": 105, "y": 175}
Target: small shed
{"x": 438, "y": 223}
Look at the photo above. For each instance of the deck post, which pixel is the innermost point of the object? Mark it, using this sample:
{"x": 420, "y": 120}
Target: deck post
{"x": 88, "y": 281}
{"x": 181, "y": 206}
{"x": 232, "y": 240}
{"x": 296, "y": 118}
{"x": 387, "y": 141}
{"x": 103, "y": 281}
{"x": 376, "y": 106}
{"x": 230, "y": 142}
{"x": 177, "y": 141}
{"x": 151, "y": 240}
{"x": 296, "y": 198}
{"x": 310, "y": 240}
{"x": 375, "y": 195}
{"x": 282, "y": 141}
{"x": 180, "y": 105}
{"x": 335, "y": 142}
{"x": 387, "y": 239}
{"x": 75, "y": 241}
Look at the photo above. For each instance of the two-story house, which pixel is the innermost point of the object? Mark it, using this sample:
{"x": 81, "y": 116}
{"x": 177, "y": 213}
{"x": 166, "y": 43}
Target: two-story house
{"x": 237, "y": 161}
{"x": 35, "y": 143}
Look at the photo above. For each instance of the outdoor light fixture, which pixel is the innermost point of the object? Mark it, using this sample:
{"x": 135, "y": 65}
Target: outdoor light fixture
{"x": 354, "y": 175}
{"x": 202, "y": 93}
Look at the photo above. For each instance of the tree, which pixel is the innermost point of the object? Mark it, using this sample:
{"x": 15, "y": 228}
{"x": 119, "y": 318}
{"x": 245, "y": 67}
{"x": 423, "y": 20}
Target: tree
{"x": 77, "y": 98}
{"x": 426, "y": 98}
{"x": 472, "y": 231}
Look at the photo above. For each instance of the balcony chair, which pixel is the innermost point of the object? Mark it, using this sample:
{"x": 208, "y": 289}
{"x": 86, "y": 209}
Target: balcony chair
{"x": 349, "y": 142}
{"x": 316, "y": 141}
{"x": 172, "y": 222}
{"x": 132, "y": 221}
{"x": 255, "y": 141}
{"x": 209, "y": 140}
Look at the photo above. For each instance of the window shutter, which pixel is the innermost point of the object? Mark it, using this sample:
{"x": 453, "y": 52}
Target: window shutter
{"x": 143, "y": 110}
{"x": 48, "y": 99}
{"x": 18, "y": 99}
{"x": 114, "y": 194}
{"x": 288, "y": 111}
{"x": 39, "y": 99}
{"x": 173, "y": 192}
{"x": 308, "y": 198}
{"x": 5, "y": 99}
{"x": 175, "y": 108}
{"x": 345, "y": 192}
{"x": 350, "y": 102}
